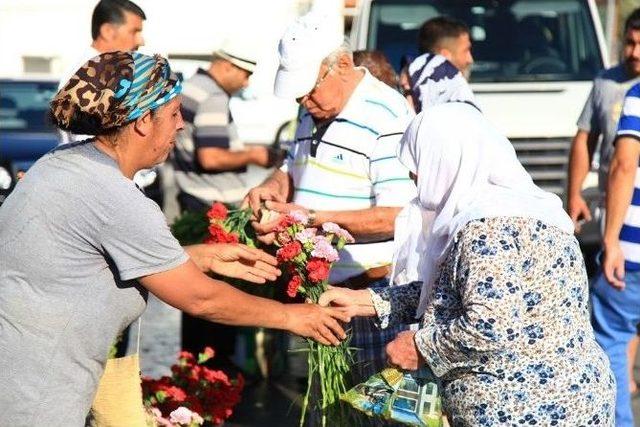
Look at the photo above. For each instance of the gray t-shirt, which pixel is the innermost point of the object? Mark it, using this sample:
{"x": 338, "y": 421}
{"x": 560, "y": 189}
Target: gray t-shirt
{"x": 602, "y": 110}
{"x": 73, "y": 235}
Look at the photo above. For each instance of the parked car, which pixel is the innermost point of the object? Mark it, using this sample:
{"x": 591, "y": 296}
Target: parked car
{"x": 534, "y": 63}
{"x": 25, "y": 132}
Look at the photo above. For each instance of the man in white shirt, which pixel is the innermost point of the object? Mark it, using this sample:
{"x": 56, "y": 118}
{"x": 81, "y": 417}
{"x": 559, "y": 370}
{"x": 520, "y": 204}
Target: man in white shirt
{"x": 115, "y": 25}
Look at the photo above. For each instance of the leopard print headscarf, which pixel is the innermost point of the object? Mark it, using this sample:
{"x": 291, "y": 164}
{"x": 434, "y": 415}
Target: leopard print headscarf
{"x": 116, "y": 88}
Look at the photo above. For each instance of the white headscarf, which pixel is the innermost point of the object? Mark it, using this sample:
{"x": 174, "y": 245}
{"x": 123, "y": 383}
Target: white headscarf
{"x": 467, "y": 170}
{"x": 435, "y": 80}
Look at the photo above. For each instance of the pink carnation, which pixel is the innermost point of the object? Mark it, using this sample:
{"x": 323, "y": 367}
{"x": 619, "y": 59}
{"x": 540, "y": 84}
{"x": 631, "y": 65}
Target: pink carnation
{"x": 333, "y": 228}
{"x": 299, "y": 216}
{"x": 306, "y": 235}
{"x": 322, "y": 248}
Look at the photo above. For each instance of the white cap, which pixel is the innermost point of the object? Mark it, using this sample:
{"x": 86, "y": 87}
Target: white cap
{"x": 309, "y": 40}
{"x": 239, "y": 52}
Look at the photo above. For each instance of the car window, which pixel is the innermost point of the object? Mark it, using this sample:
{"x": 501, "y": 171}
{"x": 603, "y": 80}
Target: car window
{"x": 522, "y": 40}
{"x": 24, "y": 105}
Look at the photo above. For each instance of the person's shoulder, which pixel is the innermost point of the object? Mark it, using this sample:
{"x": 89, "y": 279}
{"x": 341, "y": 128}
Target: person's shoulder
{"x": 121, "y": 197}
{"x": 429, "y": 66}
{"x": 382, "y": 102}
{"x": 73, "y": 152}
{"x": 90, "y": 174}
{"x": 419, "y": 62}
{"x": 613, "y": 75}
{"x": 200, "y": 87}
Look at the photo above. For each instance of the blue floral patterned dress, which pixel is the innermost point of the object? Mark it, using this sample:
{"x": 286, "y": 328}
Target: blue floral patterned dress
{"x": 507, "y": 329}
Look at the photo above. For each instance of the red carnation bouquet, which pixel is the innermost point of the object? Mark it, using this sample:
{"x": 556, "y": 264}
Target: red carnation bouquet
{"x": 193, "y": 391}
{"x": 220, "y": 224}
{"x": 307, "y": 254}
{"x": 229, "y": 225}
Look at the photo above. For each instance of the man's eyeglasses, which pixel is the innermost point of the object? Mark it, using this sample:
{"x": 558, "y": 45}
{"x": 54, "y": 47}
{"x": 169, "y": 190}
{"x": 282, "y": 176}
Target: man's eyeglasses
{"x": 318, "y": 83}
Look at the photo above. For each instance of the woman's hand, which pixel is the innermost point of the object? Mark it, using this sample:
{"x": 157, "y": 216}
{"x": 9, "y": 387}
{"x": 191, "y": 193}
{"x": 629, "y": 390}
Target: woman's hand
{"x": 319, "y": 323}
{"x": 402, "y": 352}
{"x": 355, "y": 303}
{"x": 234, "y": 260}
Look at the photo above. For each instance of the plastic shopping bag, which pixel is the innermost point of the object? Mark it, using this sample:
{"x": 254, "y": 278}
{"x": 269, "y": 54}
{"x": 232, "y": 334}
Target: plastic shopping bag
{"x": 411, "y": 398}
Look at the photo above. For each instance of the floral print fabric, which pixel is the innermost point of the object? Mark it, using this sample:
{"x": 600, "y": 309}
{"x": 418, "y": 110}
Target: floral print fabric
{"x": 507, "y": 329}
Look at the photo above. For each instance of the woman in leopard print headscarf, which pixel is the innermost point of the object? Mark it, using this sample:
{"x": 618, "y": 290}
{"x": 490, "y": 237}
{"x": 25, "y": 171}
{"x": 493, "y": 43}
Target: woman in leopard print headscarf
{"x": 111, "y": 90}
{"x": 81, "y": 247}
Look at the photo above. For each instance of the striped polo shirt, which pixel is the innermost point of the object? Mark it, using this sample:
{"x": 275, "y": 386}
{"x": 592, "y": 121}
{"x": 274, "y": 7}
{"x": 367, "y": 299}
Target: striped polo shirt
{"x": 629, "y": 126}
{"x": 350, "y": 163}
{"x": 207, "y": 123}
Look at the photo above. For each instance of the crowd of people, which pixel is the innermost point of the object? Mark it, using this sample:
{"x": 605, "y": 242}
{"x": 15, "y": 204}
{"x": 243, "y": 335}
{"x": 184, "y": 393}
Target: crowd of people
{"x": 460, "y": 262}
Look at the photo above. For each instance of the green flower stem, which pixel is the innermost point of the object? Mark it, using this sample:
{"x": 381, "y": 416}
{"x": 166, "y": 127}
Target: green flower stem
{"x": 305, "y": 403}
{"x": 330, "y": 365}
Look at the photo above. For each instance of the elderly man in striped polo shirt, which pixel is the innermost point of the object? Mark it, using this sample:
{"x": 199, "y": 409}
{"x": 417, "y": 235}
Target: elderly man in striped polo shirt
{"x": 342, "y": 167}
{"x": 615, "y": 295}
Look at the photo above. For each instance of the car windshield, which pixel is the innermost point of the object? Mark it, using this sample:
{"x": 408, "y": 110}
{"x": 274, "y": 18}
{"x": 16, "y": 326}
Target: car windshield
{"x": 513, "y": 41}
{"x": 24, "y": 105}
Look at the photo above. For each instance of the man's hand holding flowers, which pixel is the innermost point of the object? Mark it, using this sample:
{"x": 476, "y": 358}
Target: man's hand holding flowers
{"x": 271, "y": 216}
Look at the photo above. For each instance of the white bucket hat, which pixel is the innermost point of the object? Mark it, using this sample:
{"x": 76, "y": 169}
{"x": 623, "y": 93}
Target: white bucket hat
{"x": 309, "y": 40}
{"x": 239, "y": 52}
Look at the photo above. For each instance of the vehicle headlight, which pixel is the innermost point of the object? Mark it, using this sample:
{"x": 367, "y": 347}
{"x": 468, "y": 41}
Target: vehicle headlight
{"x": 5, "y": 179}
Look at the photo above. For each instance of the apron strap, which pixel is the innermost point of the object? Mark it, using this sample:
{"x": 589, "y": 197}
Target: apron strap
{"x": 138, "y": 337}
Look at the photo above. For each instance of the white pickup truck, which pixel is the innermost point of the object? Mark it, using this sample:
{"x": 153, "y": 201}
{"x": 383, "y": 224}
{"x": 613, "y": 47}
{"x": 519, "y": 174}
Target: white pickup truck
{"x": 534, "y": 63}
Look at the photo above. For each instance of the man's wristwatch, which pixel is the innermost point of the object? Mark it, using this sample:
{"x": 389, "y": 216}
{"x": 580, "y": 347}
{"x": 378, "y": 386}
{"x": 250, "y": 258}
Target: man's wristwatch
{"x": 311, "y": 215}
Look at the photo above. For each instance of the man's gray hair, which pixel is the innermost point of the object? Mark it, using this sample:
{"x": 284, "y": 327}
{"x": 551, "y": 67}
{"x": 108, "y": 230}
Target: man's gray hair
{"x": 344, "y": 49}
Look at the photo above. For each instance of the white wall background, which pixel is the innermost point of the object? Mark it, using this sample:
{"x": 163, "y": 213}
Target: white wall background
{"x": 61, "y": 29}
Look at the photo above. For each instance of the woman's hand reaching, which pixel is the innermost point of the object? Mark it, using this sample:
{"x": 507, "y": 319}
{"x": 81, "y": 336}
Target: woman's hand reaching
{"x": 355, "y": 303}
{"x": 234, "y": 260}
{"x": 318, "y": 323}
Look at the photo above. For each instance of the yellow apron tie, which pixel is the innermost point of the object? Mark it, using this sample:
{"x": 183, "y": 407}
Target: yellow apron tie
{"x": 118, "y": 401}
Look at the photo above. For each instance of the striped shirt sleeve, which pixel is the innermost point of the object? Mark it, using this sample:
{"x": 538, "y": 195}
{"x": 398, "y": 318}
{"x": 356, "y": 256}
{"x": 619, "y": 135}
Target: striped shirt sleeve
{"x": 629, "y": 124}
{"x": 390, "y": 179}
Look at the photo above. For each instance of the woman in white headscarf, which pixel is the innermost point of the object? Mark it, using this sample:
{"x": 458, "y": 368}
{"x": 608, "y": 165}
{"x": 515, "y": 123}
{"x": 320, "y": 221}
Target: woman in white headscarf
{"x": 431, "y": 79}
{"x": 503, "y": 305}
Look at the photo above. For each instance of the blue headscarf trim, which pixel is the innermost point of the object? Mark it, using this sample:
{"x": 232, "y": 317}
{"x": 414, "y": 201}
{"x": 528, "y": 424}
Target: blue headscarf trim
{"x": 141, "y": 94}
